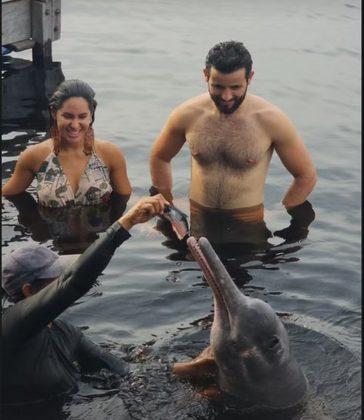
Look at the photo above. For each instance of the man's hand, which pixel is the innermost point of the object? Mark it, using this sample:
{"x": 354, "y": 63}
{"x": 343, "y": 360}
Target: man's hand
{"x": 143, "y": 210}
{"x": 302, "y": 216}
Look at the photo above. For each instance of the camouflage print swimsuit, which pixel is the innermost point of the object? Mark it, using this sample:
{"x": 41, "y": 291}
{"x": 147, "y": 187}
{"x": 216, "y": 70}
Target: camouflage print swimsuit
{"x": 54, "y": 189}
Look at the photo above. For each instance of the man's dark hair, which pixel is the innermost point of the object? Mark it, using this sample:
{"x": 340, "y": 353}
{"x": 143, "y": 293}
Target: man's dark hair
{"x": 229, "y": 56}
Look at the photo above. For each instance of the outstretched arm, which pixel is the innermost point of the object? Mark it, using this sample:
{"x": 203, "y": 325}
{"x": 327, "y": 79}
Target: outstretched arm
{"x": 167, "y": 145}
{"x": 28, "y": 316}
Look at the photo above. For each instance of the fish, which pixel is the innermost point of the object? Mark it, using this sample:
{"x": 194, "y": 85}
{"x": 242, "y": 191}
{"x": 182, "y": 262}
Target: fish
{"x": 178, "y": 220}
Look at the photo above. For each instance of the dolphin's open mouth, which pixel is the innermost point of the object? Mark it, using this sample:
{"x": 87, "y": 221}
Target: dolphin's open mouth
{"x": 203, "y": 254}
{"x": 248, "y": 342}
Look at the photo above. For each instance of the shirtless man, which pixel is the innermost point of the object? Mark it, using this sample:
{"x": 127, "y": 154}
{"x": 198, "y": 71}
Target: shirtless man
{"x": 231, "y": 135}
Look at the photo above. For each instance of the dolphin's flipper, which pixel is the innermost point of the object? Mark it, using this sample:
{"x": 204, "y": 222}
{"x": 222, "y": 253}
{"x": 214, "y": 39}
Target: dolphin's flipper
{"x": 212, "y": 392}
{"x": 202, "y": 366}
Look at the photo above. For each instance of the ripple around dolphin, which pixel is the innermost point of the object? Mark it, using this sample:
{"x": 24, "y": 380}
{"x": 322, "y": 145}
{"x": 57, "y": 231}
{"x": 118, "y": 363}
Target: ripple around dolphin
{"x": 151, "y": 391}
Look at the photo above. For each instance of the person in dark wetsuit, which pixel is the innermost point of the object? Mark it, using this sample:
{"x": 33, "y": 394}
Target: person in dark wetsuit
{"x": 42, "y": 357}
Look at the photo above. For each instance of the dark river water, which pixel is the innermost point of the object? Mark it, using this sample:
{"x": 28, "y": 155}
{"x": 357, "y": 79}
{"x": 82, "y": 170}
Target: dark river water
{"x": 143, "y": 59}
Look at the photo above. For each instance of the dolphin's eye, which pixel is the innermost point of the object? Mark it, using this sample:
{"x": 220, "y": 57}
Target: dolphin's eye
{"x": 273, "y": 342}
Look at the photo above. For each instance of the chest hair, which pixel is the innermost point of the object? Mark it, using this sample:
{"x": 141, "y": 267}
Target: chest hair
{"x": 236, "y": 145}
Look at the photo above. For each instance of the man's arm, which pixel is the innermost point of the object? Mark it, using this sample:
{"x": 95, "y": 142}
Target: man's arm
{"x": 30, "y": 315}
{"x": 167, "y": 145}
{"x": 92, "y": 357}
{"x": 295, "y": 157}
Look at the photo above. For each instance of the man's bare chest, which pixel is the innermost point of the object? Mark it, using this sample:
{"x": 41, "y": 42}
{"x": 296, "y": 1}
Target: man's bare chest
{"x": 238, "y": 145}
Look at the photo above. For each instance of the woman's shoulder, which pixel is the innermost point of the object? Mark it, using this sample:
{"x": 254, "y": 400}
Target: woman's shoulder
{"x": 106, "y": 147}
{"x": 42, "y": 147}
{"x": 108, "y": 151}
{"x": 105, "y": 144}
{"x": 37, "y": 153}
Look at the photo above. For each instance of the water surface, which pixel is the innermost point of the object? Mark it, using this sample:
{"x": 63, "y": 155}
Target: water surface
{"x": 143, "y": 59}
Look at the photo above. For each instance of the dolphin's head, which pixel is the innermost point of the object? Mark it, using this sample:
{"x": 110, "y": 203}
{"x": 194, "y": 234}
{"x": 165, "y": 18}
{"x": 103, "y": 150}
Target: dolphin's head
{"x": 249, "y": 342}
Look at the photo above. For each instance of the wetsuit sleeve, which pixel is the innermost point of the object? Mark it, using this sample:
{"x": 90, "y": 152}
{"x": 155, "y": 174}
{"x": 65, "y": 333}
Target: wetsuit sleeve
{"x": 92, "y": 358}
{"x": 30, "y": 315}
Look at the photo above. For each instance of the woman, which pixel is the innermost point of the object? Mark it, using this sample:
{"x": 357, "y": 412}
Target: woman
{"x": 72, "y": 167}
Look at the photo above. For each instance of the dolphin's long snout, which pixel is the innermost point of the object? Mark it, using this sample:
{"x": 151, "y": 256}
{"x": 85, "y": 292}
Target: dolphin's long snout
{"x": 226, "y": 293}
{"x": 249, "y": 366}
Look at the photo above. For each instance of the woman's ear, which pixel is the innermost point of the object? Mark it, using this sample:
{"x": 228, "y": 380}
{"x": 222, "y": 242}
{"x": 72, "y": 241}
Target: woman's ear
{"x": 53, "y": 113}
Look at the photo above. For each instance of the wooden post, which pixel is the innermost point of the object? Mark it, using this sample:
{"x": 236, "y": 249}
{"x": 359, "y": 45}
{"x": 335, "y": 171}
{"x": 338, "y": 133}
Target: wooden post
{"x": 46, "y": 27}
{"x": 31, "y": 24}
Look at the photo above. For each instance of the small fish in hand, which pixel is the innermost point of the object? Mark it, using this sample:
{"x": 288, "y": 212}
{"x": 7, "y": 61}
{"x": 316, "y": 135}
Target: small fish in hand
{"x": 178, "y": 220}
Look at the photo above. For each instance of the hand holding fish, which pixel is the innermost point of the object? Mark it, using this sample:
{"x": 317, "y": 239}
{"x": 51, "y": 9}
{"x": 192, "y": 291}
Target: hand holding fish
{"x": 172, "y": 214}
{"x": 143, "y": 210}
{"x": 178, "y": 220}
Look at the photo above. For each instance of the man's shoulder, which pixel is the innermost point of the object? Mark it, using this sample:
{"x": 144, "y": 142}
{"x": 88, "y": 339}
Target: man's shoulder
{"x": 192, "y": 108}
{"x": 265, "y": 110}
{"x": 258, "y": 103}
{"x": 271, "y": 118}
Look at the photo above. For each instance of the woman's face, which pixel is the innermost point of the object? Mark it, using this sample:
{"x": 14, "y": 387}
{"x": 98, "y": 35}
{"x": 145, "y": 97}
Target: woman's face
{"x": 73, "y": 120}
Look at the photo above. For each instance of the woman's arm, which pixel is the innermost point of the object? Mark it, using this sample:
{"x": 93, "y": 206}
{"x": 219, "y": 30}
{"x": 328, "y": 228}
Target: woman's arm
{"x": 27, "y": 167}
{"x": 114, "y": 159}
{"x": 23, "y": 174}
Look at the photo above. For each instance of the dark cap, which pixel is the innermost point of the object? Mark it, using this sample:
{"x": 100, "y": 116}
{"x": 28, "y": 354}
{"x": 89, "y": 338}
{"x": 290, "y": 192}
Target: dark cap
{"x": 26, "y": 264}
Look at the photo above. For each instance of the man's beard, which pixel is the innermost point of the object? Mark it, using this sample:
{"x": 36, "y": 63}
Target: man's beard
{"x": 223, "y": 108}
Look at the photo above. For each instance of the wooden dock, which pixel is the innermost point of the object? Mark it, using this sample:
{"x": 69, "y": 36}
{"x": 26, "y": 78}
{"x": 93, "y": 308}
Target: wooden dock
{"x": 31, "y": 24}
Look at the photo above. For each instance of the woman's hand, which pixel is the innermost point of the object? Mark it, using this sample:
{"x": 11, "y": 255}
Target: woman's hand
{"x": 143, "y": 210}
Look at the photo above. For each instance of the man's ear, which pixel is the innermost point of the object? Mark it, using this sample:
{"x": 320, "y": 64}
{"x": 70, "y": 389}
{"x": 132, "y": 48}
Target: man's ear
{"x": 206, "y": 73}
{"x": 250, "y": 76}
{"x": 27, "y": 290}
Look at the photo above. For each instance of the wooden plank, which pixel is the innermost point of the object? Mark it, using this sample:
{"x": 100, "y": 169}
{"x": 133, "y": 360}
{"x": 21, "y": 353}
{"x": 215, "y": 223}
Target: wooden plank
{"x": 56, "y": 13}
{"x": 16, "y": 21}
{"x": 32, "y": 24}
{"x": 24, "y": 19}
{"x": 41, "y": 25}
{"x": 25, "y": 44}
{"x": 46, "y": 20}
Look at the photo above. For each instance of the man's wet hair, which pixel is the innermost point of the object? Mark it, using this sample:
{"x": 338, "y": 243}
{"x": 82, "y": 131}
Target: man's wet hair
{"x": 229, "y": 56}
